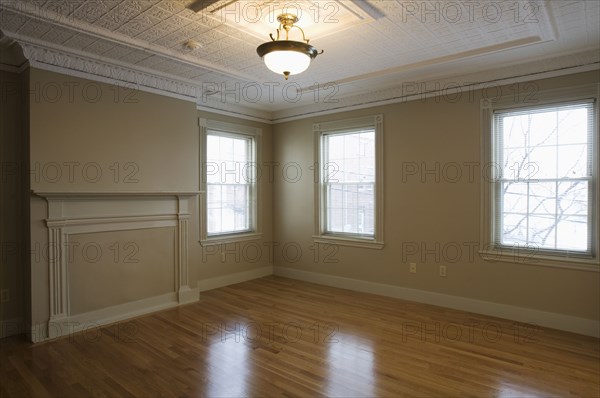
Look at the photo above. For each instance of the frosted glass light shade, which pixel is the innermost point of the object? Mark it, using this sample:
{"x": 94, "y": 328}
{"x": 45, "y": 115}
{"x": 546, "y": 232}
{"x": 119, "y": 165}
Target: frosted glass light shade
{"x": 287, "y": 57}
{"x": 293, "y": 62}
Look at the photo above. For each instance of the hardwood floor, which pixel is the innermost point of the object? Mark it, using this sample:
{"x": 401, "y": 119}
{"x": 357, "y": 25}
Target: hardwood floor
{"x": 279, "y": 337}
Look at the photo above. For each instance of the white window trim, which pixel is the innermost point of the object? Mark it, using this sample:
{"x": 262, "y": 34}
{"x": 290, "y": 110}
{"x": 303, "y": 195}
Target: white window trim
{"x": 375, "y": 122}
{"x": 488, "y": 250}
{"x": 256, "y": 134}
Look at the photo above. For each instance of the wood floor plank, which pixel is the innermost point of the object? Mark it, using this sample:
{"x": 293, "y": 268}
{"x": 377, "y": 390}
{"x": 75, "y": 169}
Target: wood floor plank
{"x": 280, "y": 337}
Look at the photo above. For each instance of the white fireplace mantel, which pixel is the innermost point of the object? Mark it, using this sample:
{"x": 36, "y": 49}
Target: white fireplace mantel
{"x": 76, "y": 212}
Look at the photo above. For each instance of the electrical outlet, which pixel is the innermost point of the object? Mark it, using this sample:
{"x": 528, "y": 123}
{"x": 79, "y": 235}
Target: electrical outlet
{"x": 4, "y": 296}
{"x": 443, "y": 271}
{"x": 413, "y": 268}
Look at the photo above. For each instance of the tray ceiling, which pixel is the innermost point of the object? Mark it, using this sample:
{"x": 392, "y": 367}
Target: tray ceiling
{"x": 370, "y": 46}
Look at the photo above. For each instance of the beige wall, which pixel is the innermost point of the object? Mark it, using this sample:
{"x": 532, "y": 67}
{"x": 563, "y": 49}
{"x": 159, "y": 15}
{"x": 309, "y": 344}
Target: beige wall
{"x": 153, "y": 142}
{"x": 150, "y": 139}
{"x": 139, "y": 142}
{"x": 13, "y": 222}
{"x": 110, "y": 268}
{"x": 420, "y": 211}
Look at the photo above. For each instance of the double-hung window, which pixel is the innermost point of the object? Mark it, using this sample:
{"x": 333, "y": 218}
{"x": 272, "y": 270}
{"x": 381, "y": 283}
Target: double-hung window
{"x": 229, "y": 181}
{"x": 349, "y": 193}
{"x": 543, "y": 190}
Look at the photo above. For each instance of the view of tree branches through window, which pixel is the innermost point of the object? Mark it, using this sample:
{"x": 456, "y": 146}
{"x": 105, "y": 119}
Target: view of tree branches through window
{"x": 544, "y": 193}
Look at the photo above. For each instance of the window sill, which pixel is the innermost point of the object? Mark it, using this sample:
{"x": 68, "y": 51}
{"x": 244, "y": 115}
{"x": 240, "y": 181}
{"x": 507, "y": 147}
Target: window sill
{"x": 225, "y": 239}
{"x": 510, "y": 256}
{"x": 346, "y": 241}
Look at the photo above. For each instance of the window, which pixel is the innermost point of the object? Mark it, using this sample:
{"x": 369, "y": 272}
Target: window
{"x": 349, "y": 183}
{"x": 543, "y": 190}
{"x": 229, "y": 185}
{"x": 229, "y": 182}
{"x": 349, "y": 193}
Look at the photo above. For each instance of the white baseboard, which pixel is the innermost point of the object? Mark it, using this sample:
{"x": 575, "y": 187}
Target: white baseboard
{"x": 238, "y": 277}
{"x": 187, "y": 295}
{"x": 553, "y": 320}
{"x": 126, "y": 310}
{"x": 11, "y": 327}
{"x": 108, "y": 315}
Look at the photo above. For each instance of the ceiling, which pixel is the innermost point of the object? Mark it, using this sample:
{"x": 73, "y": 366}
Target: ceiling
{"x": 375, "y": 51}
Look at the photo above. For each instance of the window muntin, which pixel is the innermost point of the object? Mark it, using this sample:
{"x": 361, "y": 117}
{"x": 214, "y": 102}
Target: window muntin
{"x": 348, "y": 183}
{"x": 544, "y": 193}
{"x": 230, "y": 183}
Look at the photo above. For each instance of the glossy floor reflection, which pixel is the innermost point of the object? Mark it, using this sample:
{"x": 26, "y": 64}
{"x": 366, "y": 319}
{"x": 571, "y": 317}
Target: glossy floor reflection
{"x": 350, "y": 363}
{"x": 279, "y": 337}
{"x": 228, "y": 368}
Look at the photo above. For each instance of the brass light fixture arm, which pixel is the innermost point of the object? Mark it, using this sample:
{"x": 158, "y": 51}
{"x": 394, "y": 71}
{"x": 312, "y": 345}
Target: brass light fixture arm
{"x": 286, "y": 23}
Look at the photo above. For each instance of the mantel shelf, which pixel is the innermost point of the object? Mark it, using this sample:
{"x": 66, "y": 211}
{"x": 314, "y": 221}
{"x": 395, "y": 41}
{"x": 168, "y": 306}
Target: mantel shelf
{"x": 106, "y": 194}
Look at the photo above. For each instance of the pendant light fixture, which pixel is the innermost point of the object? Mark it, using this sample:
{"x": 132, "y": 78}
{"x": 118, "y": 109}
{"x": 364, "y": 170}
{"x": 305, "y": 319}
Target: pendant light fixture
{"x": 285, "y": 56}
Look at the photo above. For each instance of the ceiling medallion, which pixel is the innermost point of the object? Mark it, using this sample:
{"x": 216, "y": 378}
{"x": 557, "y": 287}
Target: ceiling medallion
{"x": 284, "y": 56}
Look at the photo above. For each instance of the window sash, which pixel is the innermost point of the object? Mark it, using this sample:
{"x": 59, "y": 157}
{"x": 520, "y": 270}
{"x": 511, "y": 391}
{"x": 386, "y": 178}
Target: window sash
{"x": 247, "y": 181}
{"x": 247, "y": 210}
{"x": 528, "y": 179}
{"x": 327, "y": 183}
{"x": 369, "y": 213}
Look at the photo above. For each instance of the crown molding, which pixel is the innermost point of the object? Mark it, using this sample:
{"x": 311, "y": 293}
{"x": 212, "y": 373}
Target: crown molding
{"x": 468, "y": 83}
{"x": 58, "y": 59}
{"x": 112, "y": 194}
